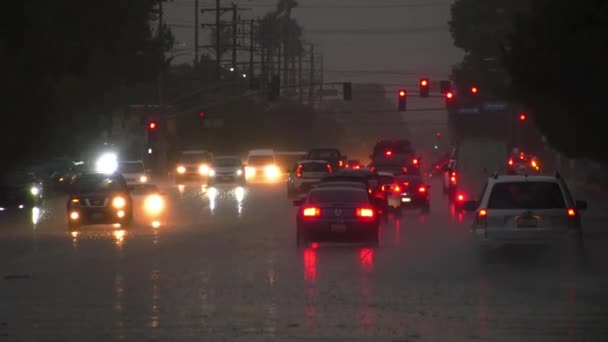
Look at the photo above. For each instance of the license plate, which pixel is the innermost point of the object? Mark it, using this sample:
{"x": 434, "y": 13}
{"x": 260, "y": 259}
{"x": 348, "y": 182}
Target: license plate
{"x": 527, "y": 223}
{"x": 406, "y": 199}
{"x": 338, "y": 227}
{"x": 97, "y": 216}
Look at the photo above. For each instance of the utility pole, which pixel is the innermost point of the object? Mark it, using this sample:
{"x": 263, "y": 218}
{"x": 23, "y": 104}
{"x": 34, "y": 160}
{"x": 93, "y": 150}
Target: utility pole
{"x": 251, "y": 46}
{"x": 218, "y": 41}
{"x": 300, "y": 85}
{"x": 321, "y": 80}
{"x": 311, "y": 89}
{"x": 196, "y": 28}
{"x": 235, "y": 22}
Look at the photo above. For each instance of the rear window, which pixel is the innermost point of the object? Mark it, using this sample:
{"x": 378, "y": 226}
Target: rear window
{"x": 346, "y": 196}
{"x": 96, "y": 183}
{"x": 323, "y": 154}
{"x": 526, "y": 195}
{"x": 314, "y": 167}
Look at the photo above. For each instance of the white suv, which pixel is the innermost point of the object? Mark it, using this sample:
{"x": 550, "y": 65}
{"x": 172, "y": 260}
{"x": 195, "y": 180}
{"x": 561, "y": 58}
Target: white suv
{"x": 306, "y": 175}
{"x": 133, "y": 172}
{"x": 519, "y": 209}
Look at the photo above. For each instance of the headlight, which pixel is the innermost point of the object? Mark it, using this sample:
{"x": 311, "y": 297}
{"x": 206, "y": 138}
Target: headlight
{"x": 203, "y": 169}
{"x": 154, "y": 204}
{"x": 107, "y": 163}
{"x": 119, "y": 202}
{"x": 35, "y": 191}
{"x": 211, "y": 173}
{"x": 239, "y": 172}
{"x": 271, "y": 171}
{"x": 143, "y": 179}
{"x": 181, "y": 169}
{"x": 250, "y": 171}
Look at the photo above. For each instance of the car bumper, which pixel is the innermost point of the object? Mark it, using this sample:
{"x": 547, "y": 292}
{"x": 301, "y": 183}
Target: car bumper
{"x": 89, "y": 216}
{"x": 226, "y": 179}
{"x": 520, "y": 236}
{"x": 408, "y": 201}
{"x": 338, "y": 231}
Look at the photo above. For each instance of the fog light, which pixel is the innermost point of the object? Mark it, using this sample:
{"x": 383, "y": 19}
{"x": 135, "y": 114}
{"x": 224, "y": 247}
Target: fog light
{"x": 74, "y": 215}
{"x": 120, "y": 213}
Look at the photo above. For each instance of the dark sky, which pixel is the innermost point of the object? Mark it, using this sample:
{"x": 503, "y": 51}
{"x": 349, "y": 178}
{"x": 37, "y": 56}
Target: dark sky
{"x": 386, "y": 41}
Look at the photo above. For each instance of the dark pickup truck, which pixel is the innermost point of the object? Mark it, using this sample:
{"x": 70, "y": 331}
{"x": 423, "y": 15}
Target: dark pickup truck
{"x": 332, "y": 155}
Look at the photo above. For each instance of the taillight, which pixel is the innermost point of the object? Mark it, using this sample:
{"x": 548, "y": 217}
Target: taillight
{"x": 482, "y": 215}
{"x": 460, "y": 197}
{"x": 340, "y": 163}
{"x": 372, "y": 169}
{"x": 311, "y": 212}
{"x": 415, "y": 161}
{"x": 365, "y": 212}
{"x": 299, "y": 171}
{"x": 571, "y": 212}
{"x": 329, "y": 168}
{"x": 396, "y": 188}
{"x": 404, "y": 169}
{"x": 453, "y": 179}
{"x": 422, "y": 189}
{"x": 510, "y": 162}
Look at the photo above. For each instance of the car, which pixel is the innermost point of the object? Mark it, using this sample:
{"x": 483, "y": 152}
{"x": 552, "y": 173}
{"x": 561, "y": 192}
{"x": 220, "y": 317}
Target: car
{"x": 98, "y": 198}
{"x": 521, "y": 209}
{"x": 390, "y": 148}
{"x": 450, "y": 179}
{"x": 386, "y": 182}
{"x": 354, "y": 164}
{"x": 193, "y": 165}
{"x": 227, "y": 169}
{"x": 262, "y": 166}
{"x": 415, "y": 192}
{"x": 332, "y": 155}
{"x": 336, "y": 213}
{"x": 133, "y": 171}
{"x": 370, "y": 179}
{"x": 20, "y": 190}
{"x": 397, "y": 165}
{"x": 523, "y": 164}
{"x": 306, "y": 175}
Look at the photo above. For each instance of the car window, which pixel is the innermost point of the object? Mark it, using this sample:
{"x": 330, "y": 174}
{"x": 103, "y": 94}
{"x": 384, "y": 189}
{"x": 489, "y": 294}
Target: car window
{"x": 96, "y": 183}
{"x": 260, "y": 160}
{"x": 226, "y": 162}
{"x": 131, "y": 167}
{"x": 314, "y": 167}
{"x": 345, "y": 196}
{"x": 526, "y": 195}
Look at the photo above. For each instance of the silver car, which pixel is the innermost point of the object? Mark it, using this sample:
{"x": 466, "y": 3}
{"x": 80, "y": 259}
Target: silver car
{"x": 226, "y": 169}
{"x": 519, "y": 209}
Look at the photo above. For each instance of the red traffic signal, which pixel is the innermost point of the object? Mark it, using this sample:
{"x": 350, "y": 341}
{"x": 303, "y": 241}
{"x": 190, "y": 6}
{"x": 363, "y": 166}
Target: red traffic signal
{"x": 402, "y": 93}
{"x": 201, "y": 114}
{"x": 152, "y": 125}
{"x": 474, "y": 90}
{"x": 449, "y": 95}
{"x": 438, "y": 134}
{"x": 523, "y": 117}
{"x": 424, "y": 82}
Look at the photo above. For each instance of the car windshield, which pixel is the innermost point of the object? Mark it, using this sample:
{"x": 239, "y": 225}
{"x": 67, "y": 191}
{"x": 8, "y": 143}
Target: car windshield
{"x": 194, "y": 157}
{"x": 526, "y": 195}
{"x": 338, "y": 195}
{"x": 323, "y": 154}
{"x": 395, "y": 149}
{"x": 260, "y": 160}
{"x": 131, "y": 167}
{"x": 314, "y": 167}
{"x": 226, "y": 162}
{"x": 98, "y": 183}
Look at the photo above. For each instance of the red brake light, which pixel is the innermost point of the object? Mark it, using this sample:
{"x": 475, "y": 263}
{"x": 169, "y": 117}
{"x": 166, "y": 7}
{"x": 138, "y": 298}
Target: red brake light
{"x": 365, "y": 212}
{"x": 311, "y": 212}
{"x": 474, "y": 90}
{"x": 299, "y": 171}
{"x": 388, "y": 153}
{"x": 460, "y": 197}
{"x": 424, "y": 83}
{"x": 329, "y": 168}
{"x": 449, "y": 95}
{"x": 396, "y": 188}
{"x": 482, "y": 213}
{"x": 453, "y": 179}
{"x": 415, "y": 161}
{"x": 152, "y": 125}
{"x": 356, "y": 167}
{"x": 571, "y": 212}
{"x": 404, "y": 169}
{"x": 511, "y": 161}
{"x": 422, "y": 189}
{"x": 402, "y": 93}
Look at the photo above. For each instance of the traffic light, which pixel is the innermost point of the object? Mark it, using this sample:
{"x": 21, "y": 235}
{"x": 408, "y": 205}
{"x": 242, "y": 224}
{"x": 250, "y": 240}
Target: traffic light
{"x": 152, "y": 131}
{"x": 424, "y": 87}
{"x": 523, "y": 117}
{"x": 275, "y": 88}
{"x": 348, "y": 91}
{"x": 474, "y": 90}
{"x": 402, "y": 100}
{"x": 450, "y": 100}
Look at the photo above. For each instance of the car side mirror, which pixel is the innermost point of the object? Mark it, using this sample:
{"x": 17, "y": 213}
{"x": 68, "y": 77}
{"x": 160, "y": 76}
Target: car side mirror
{"x": 470, "y": 205}
{"x": 298, "y": 202}
{"x": 581, "y": 205}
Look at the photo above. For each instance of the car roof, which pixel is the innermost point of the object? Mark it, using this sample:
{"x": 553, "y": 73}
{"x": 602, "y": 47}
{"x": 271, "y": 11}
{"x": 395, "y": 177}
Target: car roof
{"x": 227, "y": 157}
{"x": 261, "y": 152}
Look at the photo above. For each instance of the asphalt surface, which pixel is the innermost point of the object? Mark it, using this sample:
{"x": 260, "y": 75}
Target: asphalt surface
{"x": 226, "y": 267}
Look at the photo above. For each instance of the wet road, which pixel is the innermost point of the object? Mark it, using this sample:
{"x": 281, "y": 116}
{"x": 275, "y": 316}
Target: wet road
{"x": 226, "y": 267}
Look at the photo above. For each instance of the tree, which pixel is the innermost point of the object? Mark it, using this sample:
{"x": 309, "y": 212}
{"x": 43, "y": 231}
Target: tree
{"x": 556, "y": 59}
{"x": 66, "y": 59}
